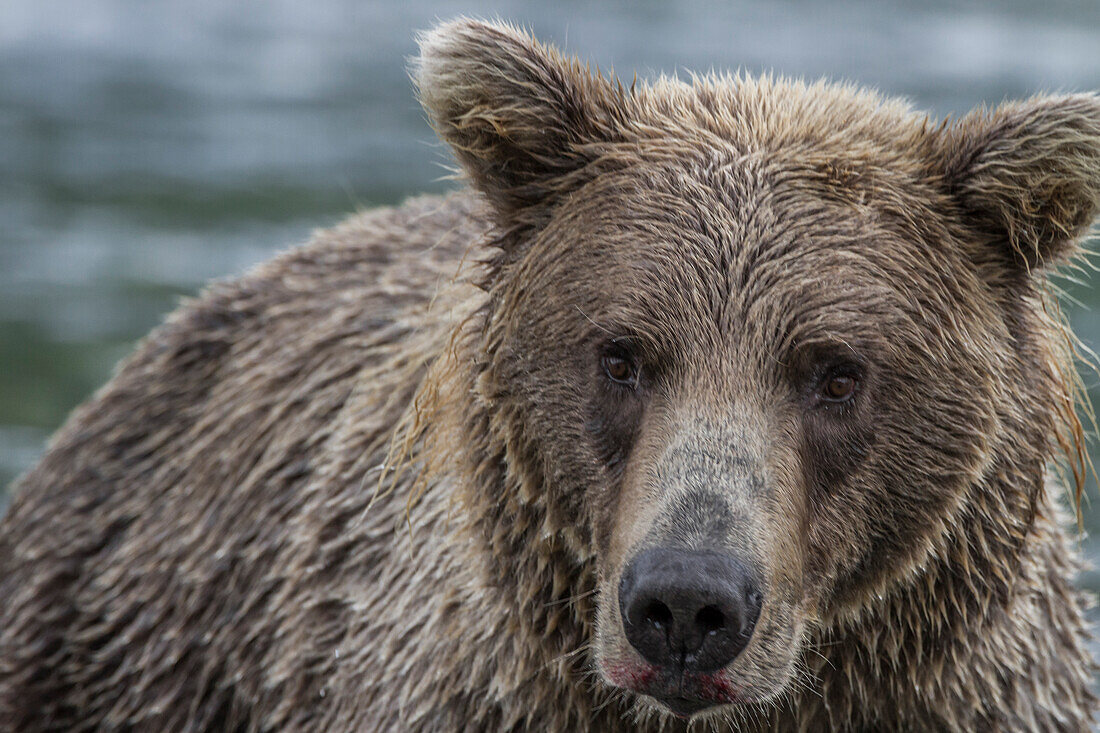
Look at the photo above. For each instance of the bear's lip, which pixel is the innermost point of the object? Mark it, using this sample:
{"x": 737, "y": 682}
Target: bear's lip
{"x": 681, "y": 693}
{"x": 684, "y": 707}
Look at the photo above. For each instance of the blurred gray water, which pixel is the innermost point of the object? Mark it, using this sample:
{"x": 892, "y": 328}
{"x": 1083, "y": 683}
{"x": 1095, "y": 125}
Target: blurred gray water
{"x": 147, "y": 146}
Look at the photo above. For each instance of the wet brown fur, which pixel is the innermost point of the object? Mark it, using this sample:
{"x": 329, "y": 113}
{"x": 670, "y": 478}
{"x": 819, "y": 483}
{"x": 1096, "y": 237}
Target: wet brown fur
{"x": 373, "y": 485}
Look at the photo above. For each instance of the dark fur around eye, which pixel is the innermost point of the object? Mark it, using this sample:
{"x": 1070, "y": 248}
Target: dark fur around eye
{"x": 838, "y": 422}
{"x": 615, "y": 409}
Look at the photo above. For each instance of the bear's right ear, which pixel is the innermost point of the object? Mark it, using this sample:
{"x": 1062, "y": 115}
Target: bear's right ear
{"x": 520, "y": 117}
{"x": 1027, "y": 174}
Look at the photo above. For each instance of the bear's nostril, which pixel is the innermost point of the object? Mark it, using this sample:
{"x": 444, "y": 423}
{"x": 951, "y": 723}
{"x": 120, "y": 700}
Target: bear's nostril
{"x": 658, "y": 614}
{"x": 710, "y": 620}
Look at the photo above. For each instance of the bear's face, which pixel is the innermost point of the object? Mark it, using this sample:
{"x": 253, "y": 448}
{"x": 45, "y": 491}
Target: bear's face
{"x": 756, "y": 344}
{"x": 723, "y": 366}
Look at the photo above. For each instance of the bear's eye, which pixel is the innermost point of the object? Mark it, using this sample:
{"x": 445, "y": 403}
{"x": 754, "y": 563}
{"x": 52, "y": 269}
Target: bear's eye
{"x": 620, "y": 368}
{"x": 838, "y": 388}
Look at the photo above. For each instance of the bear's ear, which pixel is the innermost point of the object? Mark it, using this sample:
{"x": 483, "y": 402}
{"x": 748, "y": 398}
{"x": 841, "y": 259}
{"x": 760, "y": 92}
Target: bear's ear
{"x": 519, "y": 116}
{"x": 1027, "y": 175}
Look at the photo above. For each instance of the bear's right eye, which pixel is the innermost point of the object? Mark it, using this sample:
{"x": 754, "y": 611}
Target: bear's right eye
{"x": 620, "y": 368}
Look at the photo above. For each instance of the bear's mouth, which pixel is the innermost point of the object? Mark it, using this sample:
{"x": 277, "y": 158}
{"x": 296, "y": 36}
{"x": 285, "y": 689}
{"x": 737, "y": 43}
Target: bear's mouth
{"x": 682, "y": 693}
{"x": 684, "y": 707}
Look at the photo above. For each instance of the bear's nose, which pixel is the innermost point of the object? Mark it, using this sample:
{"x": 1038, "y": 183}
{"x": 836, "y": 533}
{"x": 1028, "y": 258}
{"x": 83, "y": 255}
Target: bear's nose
{"x": 693, "y": 611}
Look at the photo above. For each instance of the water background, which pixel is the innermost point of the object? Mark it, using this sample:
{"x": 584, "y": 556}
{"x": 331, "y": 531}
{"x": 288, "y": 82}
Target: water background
{"x": 147, "y": 146}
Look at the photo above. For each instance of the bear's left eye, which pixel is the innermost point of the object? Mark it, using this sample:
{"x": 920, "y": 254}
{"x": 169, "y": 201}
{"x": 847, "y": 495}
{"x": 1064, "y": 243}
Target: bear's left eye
{"x": 620, "y": 368}
{"x": 838, "y": 388}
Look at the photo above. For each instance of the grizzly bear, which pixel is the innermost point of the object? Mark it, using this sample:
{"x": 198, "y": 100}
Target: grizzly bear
{"x": 730, "y": 404}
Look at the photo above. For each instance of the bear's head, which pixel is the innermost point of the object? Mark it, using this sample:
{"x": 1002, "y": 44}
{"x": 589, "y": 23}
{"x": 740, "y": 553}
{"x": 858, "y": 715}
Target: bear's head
{"x": 760, "y": 349}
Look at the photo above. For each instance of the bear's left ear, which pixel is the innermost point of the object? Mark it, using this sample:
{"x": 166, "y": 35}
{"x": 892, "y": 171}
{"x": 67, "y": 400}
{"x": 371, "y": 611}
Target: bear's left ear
{"x": 521, "y": 118}
{"x": 1028, "y": 174}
